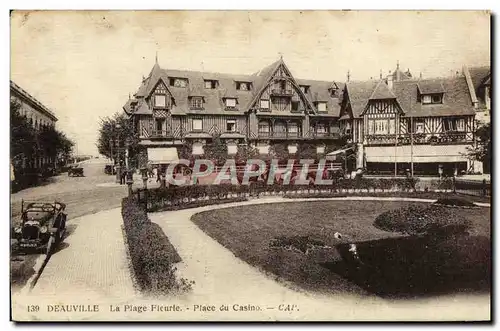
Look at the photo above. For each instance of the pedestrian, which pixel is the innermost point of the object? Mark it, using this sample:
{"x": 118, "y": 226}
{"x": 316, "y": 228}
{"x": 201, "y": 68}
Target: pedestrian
{"x": 158, "y": 175}
{"x": 122, "y": 176}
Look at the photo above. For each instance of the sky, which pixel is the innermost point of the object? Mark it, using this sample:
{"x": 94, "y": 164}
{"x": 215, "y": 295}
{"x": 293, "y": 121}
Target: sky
{"x": 83, "y": 65}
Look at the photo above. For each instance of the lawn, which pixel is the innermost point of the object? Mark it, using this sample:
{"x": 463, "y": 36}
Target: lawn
{"x": 247, "y": 231}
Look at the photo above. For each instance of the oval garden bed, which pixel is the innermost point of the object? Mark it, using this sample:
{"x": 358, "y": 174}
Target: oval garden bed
{"x": 308, "y": 244}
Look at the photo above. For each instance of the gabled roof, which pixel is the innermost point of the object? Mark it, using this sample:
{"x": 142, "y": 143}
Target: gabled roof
{"x": 430, "y": 86}
{"x": 359, "y": 93}
{"x": 382, "y": 92}
{"x": 318, "y": 92}
{"x": 456, "y": 98}
{"x": 213, "y": 98}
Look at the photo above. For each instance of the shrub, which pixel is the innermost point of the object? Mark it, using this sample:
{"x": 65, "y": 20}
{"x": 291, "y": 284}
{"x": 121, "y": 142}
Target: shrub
{"x": 455, "y": 201}
{"x": 151, "y": 253}
{"x": 418, "y": 220}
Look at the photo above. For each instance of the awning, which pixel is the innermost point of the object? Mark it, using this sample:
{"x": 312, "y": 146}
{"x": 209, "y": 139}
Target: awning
{"x": 419, "y": 154}
{"x": 340, "y": 151}
{"x": 162, "y": 155}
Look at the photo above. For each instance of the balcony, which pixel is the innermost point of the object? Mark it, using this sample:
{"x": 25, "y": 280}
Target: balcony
{"x": 324, "y": 135}
{"x": 282, "y": 92}
{"x": 160, "y": 134}
{"x": 444, "y": 138}
{"x": 280, "y": 135}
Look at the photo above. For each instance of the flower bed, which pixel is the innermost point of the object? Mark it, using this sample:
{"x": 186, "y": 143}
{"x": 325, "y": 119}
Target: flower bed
{"x": 151, "y": 253}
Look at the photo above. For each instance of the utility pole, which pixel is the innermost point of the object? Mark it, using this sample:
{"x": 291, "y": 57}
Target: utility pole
{"x": 411, "y": 141}
{"x": 395, "y": 148}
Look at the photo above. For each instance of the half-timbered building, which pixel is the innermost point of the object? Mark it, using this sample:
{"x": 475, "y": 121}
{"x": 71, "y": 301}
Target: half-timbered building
{"x": 425, "y": 122}
{"x": 173, "y": 107}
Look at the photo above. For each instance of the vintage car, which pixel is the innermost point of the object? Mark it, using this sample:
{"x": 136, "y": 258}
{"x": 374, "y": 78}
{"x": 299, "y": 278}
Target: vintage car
{"x": 43, "y": 225}
{"x": 109, "y": 169}
{"x": 75, "y": 170}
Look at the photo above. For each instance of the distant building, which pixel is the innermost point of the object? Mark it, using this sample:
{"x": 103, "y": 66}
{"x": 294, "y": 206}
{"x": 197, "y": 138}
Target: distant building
{"x": 39, "y": 116}
{"x": 479, "y": 82}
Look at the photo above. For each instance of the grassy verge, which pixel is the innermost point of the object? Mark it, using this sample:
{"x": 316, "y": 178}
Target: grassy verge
{"x": 151, "y": 253}
{"x": 249, "y": 231}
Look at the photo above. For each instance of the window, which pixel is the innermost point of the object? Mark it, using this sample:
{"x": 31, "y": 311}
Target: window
{"x": 230, "y": 102}
{"x": 197, "y": 124}
{"x": 231, "y": 125}
{"x": 334, "y": 93}
{"x": 378, "y": 127}
{"x": 304, "y": 88}
{"x": 450, "y": 125}
{"x": 263, "y": 127}
{"x": 293, "y": 127}
{"x": 160, "y": 100}
{"x": 419, "y": 127}
{"x": 178, "y": 82}
{"x": 321, "y": 106}
{"x": 159, "y": 125}
{"x": 295, "y": 105}
{"x": 436, "y": 98}
{"x": 392, "y": 126}
{"x": 432, "y": 98}
{"x": 283, "y": 85}
{"x": 264, "y": 104}
{"x": 196, "y": 103}
{"x": 460, "y": 124}
{"x": 243, "y": 86}
{"x": 211, "y": 84}
{"x": 320, "y": 128}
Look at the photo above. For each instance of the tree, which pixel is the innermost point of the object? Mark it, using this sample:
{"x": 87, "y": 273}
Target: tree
{"x": 216, "y": 151}
{"x": 307, "y": 151}
{"x": 54, "y": 143}
{"x": 22, "y": 136}
{"x": 115, "y": 133}
{"x": 482, "y": 150}
{"x": 245, "y": 153}
{"x": 280, "y": 152}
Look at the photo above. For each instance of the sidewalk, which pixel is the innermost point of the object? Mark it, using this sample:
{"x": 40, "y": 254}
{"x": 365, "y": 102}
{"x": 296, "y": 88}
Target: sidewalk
{"x": 92, "y": 261}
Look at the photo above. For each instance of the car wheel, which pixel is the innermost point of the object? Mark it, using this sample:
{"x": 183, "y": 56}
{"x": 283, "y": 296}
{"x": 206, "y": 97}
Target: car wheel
{"x": 50, "y": 246}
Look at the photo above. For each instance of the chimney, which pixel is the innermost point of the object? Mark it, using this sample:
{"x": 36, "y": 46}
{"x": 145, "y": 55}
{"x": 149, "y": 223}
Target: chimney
{"x": 398, "y": 73}
{"x": 389, "y": 81}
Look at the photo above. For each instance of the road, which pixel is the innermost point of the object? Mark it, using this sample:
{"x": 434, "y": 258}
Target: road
{"x": 82, "y": 195}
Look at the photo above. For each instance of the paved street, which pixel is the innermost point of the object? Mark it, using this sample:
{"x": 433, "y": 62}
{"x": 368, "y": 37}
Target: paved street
{"x": 83, "y": 196}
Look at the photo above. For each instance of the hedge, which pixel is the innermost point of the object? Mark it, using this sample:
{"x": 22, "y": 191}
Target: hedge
{"x": 152, "y": 255}
{"x": 419, "y": 220}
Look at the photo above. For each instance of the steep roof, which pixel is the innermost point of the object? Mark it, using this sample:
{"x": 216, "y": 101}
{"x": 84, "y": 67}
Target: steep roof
{"x": 382, "y": 92}
{"x": 359, "y": 93}
{"x": 319, "y": 92}
{"x": 213, "y": 98}
{"x": 456, "y": 98}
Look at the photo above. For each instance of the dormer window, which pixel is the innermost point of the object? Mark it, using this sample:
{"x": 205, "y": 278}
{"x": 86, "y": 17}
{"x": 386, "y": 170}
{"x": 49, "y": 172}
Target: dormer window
{"x": 196, "y": 103}
{"x": 264, "y": 104}
{"x": 334, "y": 93}
{"x": 321, "y": 106}
{"x": 178, "y": 82}
{"x": 304, "y": 88}
{"x": 160, "y": 96}
{"x": 243, "y": 86}
{"x": 211, "y": 84}
{"x": 432, "y": 98}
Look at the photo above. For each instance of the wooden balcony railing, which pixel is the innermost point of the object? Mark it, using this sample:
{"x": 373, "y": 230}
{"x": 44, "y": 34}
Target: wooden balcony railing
{"x": 158, "y": 134}
{"x": 280, "y": 135}
{"x": 444, "y": 138}
{"x": 326, "y": 135}
{"x": 282, "y": 92}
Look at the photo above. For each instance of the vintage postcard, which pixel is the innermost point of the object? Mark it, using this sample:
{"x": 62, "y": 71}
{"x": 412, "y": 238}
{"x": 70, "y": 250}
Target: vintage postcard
{"x": 250, "y": 166}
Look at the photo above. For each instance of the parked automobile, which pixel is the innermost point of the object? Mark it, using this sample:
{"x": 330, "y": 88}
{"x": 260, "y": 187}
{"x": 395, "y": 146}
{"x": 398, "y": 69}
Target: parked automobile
{"x": 43, "y": 225}
{"x": 76, "y": 170}
{"x": 109, "y": 169}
